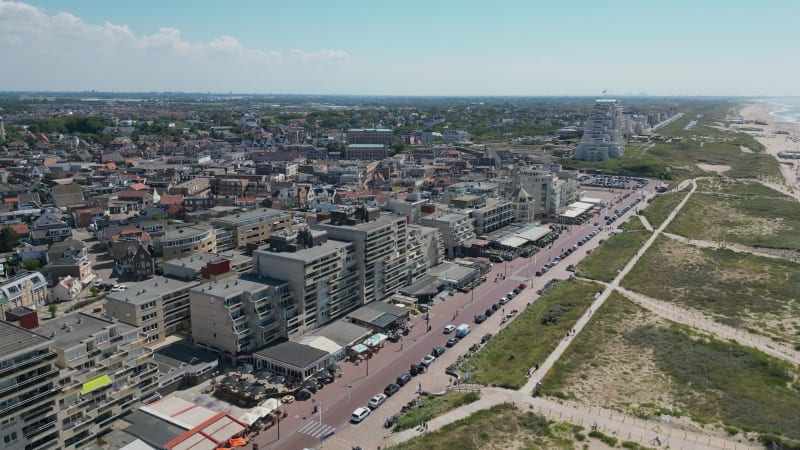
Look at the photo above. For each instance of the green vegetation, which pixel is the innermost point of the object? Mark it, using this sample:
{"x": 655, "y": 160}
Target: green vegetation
{"x": 634, "y": 224}
{"x": 716, "y": 381}
{"x": 584, "y": 354}
{"x": 502, "y": 426}
{"x": 608, "y": 440}
{"x": 705, "y": 143}
{"x": 608, "y": 259}
{"x": 746, "y": 213}
{"x": 53, "y": 310}
{"x": 433, "y": 407}
{"x": 660, "y": 208}
{"x": 529, "y": 339}
{"x": 9, "y": 239}
{"x": 732, "y": 285}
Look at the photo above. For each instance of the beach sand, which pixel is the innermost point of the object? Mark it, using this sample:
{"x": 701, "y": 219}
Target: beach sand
{"x": 776, "y": 143}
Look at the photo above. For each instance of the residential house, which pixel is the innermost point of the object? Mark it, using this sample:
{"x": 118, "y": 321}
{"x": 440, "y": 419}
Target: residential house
{"x": 69, "y": 258}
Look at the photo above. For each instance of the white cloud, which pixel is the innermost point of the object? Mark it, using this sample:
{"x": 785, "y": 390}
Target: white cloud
{"x": 63, "y": 52}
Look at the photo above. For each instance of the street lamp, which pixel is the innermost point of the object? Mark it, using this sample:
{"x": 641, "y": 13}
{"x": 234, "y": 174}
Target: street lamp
{"x": 349, "y": 388}
{"x": 280, "y": 415}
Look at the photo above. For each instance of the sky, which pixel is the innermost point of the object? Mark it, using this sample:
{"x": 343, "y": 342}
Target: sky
{"x": 410, "y": 47}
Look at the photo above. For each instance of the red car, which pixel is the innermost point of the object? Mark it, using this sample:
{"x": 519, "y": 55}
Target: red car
{"x": 522, "y": 285}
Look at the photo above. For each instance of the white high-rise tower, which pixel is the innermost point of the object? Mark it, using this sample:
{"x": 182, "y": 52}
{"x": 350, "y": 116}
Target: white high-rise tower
{"x": 2, "y": 130}
{"x": 603, "y": 134}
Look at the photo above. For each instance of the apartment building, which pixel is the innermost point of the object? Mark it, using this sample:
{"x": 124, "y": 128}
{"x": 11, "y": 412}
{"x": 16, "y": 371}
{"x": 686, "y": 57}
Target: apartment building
{"x": 157, "y": 307}
{"x": 493, "y": 215}
{"x": 322, "y": 274}
{"x": 370, "y": 136}
{"x": 453, "y": 136}
{"x": 195, "y": 187}
{"x": 473, "y": 188}
{"x": 105, "y": 371}
{"x": 209, "y": 265}
{"x": 381, "y": 248}
{"x": 369, "y": 152}
{"x": 25, "y": 289}
{"x": 549, "y": 190}
{"x": 239, "y": 315}
{"x": 425, "y": 250}
{"x": 456, "y": 230}
{"x": 235, "y": 185}
{"x": 604, "y": 132}
{"x": 29, "y": 390}
{"x": 186, "y": 241}
{"x": 256, "y": 226}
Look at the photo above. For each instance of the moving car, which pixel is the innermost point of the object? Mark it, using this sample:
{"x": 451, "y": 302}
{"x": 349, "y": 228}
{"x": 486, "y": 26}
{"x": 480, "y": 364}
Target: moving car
{"x": 376, "y": 400}
{"x": 449, "y": 329}
{"x": 427, "y": 360}
{"x": 360, "y": 414}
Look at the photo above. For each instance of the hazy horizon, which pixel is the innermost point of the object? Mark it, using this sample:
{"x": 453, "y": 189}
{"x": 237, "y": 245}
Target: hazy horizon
{"x": 444, "y": 49}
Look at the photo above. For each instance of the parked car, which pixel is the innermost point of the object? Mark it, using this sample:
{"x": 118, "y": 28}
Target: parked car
{"x": 449, "y": 329}
{"x": 453, "y": 340}
{"x": 402, "y": 379}
{"x": 437, "y": 351}
{"x": 376, "y": 400}
{"x": 495, "y": 259}
{"x": 488, "y": 312}
{"x": 427, "y": 360}
{"x": 522, "y": 286}
{"x": 480, "y": 318}
{"x": 360, "y": 414}
{"x": 416, "y": 369}
{"x": 391, "y": 389}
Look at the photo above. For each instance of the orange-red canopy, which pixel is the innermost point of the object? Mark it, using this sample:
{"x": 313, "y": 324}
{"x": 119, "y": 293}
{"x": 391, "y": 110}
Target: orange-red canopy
{"x": 238, "y": 442}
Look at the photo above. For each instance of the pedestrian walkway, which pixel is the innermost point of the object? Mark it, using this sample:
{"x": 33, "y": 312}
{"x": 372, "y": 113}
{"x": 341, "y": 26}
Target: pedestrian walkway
{"x": 696, "y": 319}
{"x": 775, "y": 253}
{"x": 317, "y": 430}
{"x": 646, "y": 223}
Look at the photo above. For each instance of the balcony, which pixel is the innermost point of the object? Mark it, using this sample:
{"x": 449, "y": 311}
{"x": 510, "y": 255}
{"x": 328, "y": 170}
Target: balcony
{"x": 10, "y": 409}
{"x": 28, "y": 381}
{"x": 31, "y": 431}
{"x": 242, "y": 329}
{"x": 27, "y": 363}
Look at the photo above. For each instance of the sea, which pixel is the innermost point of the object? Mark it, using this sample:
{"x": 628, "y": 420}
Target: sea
{"x": 784, "y": 109}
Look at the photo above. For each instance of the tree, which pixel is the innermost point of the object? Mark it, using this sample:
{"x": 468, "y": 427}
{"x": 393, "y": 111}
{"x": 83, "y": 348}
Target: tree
{"x": 9, "y": 239}
{"x": 53, "y": 310}
{"x": 31, "y": 264}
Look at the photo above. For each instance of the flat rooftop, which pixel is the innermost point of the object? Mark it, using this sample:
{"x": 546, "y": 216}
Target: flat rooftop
{"x": 307, "y": 254}
{"x": 14, "y": 339}
{"x": 229, "y": 286}
{"x": 69, "y": 330}
{"x": 234, "y": 219}
{"x": 151, "y": 289}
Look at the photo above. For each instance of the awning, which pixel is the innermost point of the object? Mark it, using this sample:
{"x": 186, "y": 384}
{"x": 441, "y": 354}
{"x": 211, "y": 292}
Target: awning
{"x": 95, "y": 383}
{"x": 360, "y": 348}
{"x": 238, "y": 442}
{"x": 375, "y": 339}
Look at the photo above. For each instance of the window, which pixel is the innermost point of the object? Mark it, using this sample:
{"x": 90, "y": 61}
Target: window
{"x": 10, "y": 438}
{"x": 8, "y": 421}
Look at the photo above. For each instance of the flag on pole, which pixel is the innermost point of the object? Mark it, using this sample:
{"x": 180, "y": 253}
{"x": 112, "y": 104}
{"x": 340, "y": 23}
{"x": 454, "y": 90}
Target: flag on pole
{"x": 604, "y": 91}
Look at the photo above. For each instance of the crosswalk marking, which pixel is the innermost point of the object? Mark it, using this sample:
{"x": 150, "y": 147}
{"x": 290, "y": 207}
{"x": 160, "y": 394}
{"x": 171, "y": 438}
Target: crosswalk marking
{"x": 317, "y": 429}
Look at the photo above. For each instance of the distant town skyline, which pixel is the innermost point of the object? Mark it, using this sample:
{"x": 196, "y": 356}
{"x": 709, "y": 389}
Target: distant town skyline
{"x": 443, "y": 48}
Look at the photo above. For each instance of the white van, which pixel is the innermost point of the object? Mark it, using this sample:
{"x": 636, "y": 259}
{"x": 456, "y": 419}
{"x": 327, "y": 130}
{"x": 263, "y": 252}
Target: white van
{"x": 462, "y": 330}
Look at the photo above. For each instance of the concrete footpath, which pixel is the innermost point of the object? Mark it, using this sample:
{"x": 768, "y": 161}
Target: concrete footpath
{"x": 621, "y": 426}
